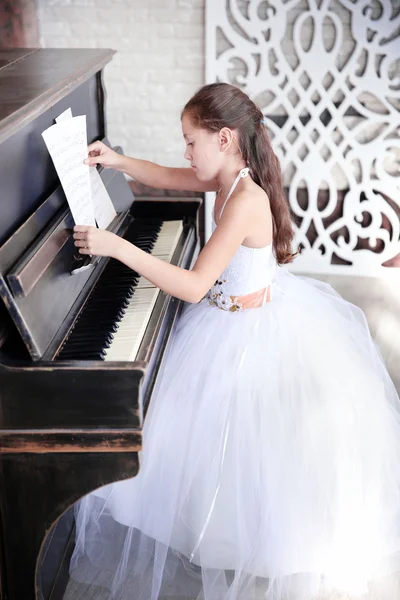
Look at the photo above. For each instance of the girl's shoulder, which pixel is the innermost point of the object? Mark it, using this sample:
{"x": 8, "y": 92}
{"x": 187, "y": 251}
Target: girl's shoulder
{"x": 256, "y": 204}
{"x": 254, "y": 196}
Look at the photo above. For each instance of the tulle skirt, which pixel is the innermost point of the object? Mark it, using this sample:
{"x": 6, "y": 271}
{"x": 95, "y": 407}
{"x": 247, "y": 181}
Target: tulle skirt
{"x": 270, "y": 465}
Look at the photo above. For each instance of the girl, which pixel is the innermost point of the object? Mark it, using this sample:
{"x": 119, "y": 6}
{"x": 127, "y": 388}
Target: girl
{"x": 271, "y": 462}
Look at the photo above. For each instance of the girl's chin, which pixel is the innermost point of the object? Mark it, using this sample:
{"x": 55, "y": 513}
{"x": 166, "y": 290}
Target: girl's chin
{"x": 202, "y": 176}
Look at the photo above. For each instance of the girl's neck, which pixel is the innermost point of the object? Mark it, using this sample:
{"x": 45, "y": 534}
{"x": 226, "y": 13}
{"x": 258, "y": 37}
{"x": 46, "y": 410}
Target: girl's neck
{"x": 227, "y": 177}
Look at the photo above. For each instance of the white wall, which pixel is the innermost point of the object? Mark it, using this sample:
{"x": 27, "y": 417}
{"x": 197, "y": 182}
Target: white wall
{"x": 158, "y": 66}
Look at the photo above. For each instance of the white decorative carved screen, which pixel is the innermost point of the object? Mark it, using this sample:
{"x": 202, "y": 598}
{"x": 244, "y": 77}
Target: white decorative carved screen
{"x": 326, "y": 74}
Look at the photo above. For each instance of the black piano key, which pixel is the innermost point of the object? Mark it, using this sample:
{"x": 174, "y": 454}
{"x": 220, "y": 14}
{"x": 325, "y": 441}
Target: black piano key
{"x": 109, "y": 303}
{"x": 82, "y": 339}
{"x": 114, "y": 293}
{"x": 103, "y": 325}
{"x": 88, "y": 316}
{"x": 84, "y": 346}
{"x": 105, "y": 310}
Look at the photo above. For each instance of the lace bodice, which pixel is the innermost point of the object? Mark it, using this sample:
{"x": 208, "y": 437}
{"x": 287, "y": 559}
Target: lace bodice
{"x": 250, "y": 270}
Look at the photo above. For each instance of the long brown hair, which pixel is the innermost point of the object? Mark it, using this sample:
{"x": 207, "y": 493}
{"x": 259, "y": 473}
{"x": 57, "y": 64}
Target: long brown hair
{"x": 219, "y": 105}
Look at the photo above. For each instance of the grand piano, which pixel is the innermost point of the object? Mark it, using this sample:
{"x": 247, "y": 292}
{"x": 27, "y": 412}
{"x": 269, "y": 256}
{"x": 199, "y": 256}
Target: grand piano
{"x": 80, "y": 348}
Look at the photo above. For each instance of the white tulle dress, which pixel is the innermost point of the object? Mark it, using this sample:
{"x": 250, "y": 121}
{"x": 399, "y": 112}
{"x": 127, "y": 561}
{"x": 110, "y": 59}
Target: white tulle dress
{"x": 271, "y": 461}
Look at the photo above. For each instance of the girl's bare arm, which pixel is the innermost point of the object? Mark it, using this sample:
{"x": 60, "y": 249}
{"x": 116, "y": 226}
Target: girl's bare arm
{"x": 147, "y": 172}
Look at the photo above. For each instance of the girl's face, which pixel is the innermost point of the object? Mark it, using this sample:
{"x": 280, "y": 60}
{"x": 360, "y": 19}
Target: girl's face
{"x": 203, "y": 150}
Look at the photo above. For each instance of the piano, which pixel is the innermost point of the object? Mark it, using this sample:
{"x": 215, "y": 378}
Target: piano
{"x": 80, "y": 348}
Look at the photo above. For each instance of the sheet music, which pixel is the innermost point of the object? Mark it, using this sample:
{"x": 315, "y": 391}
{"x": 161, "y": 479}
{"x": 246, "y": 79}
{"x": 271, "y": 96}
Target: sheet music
{"x": 67, "y": 114}
{"x": 103, "y": 207}
{"x": 104, "y": 210}
{"x": 67, "y": 144}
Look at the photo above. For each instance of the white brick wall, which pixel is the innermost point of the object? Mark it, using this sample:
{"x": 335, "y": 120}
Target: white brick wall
{"x": 158, "y": 66}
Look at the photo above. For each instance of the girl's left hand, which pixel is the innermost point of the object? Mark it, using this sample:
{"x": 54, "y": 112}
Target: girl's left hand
{"x": 97, "y": 242}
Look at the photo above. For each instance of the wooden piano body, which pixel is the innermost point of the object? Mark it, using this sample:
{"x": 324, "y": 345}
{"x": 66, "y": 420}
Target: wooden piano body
{"x": 70, "y": 421}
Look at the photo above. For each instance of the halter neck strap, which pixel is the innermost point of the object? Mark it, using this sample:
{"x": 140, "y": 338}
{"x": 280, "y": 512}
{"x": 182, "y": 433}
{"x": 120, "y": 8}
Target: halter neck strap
{"x": 243, "y": 173}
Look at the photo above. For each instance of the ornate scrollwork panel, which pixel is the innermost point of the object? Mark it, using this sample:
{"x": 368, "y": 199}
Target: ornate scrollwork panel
{"x": 326, "y": 74}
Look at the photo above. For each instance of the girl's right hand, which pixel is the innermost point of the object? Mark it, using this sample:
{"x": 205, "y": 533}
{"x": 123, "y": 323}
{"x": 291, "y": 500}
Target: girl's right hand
{"x": 100, "y": 154}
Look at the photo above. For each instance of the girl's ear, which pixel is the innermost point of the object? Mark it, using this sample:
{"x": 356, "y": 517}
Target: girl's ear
{"x": 225, "y": 139}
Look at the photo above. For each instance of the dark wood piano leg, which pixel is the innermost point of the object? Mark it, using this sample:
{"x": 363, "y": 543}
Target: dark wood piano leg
{"x": 35, "y": 490}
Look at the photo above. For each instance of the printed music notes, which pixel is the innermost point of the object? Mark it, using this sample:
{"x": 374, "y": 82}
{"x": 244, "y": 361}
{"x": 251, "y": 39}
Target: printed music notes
{"x": 86, "y": 194}
{"x": 66, "y": 143}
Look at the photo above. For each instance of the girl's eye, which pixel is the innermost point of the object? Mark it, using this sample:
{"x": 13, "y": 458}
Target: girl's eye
{"x": 190, "y": 143}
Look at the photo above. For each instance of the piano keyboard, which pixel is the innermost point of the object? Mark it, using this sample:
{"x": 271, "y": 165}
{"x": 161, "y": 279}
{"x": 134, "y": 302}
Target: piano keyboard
{"x": 113, "y": 321}
{"x": 132, "y": 326}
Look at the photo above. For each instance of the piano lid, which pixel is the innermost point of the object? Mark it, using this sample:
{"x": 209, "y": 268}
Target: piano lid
{"x": 43, "y": 77}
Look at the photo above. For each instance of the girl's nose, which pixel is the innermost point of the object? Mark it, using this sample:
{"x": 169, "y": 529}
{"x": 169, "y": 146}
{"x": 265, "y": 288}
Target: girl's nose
{"x": 187, "y": 154}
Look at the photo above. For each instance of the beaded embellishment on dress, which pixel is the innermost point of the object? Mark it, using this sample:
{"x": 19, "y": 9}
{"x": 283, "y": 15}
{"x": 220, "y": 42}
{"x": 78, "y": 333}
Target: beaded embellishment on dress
{"x": 218, "y": 298}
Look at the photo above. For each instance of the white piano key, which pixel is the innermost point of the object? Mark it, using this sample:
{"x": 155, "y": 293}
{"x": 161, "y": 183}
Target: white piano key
{"x": 165, "y": 245}
{"x": 167, "y": 239}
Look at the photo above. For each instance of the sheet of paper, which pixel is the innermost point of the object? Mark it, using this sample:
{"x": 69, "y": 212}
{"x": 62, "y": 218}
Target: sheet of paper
{"x": 67, "y": 114}
{"x": 67, "y": 144}
{"x": 103, "y": 207}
